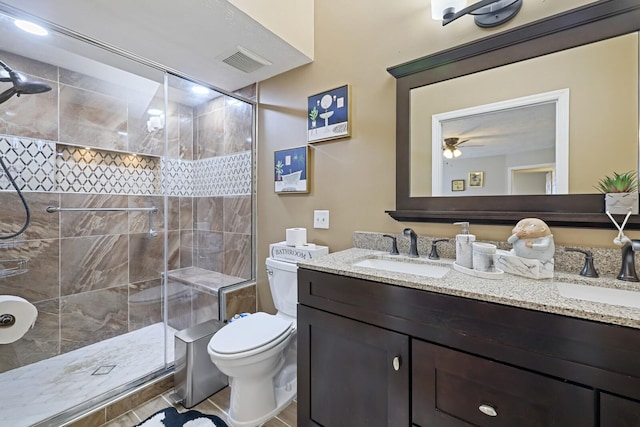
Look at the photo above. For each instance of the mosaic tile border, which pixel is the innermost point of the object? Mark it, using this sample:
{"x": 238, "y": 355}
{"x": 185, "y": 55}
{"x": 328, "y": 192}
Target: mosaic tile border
{"x": 217, "y": 176}
{"x": 223, "y": 176}
{"x": 31, "y": 162}
{"x": 177, "y": 177}
{"x": 46, "y": 166}
{"x": 82, "y": 170}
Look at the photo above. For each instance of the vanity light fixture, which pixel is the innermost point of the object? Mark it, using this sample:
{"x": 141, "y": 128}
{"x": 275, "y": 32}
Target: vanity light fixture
{"x": 487, "y": 13}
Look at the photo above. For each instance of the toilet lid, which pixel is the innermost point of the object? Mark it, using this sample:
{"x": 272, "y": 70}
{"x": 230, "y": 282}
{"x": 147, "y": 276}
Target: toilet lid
{"x": 249, "y": 332}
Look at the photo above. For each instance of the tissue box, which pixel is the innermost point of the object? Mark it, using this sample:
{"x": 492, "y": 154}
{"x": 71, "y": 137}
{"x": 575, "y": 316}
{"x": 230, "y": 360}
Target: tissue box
{"x": 287, "y": 253}
{"x": 526, "y": 267}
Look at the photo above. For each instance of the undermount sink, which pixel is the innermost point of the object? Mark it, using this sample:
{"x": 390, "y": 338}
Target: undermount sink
{"x": 404, "y": 266}
{"x": 620, "y": 297}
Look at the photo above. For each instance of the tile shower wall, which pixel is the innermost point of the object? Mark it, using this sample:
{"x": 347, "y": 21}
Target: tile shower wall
{"x": 95, "y": 275}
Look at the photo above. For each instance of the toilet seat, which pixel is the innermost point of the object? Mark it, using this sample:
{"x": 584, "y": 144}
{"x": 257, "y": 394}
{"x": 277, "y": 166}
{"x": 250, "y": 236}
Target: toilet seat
{"x": 248, "y": 334}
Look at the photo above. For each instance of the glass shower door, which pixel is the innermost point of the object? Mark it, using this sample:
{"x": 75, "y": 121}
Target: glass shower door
{"x": 88, "y": 157}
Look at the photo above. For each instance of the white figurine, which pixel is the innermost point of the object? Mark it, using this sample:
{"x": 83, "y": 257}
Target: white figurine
{"x": 532, "y": 239}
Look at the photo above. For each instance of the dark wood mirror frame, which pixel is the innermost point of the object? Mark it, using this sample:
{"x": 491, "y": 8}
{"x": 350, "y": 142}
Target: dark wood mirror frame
{"x": 590, "y": 23}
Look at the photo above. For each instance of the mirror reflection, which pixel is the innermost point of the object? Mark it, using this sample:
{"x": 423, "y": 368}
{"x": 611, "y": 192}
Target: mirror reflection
{"x": 523, "y": 142}
{"x": 601, "y": 81}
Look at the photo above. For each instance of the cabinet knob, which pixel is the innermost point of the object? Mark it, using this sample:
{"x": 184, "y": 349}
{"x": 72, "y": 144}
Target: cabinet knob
{"x": 396, "y": 363}
{"x": 488, "y": 410}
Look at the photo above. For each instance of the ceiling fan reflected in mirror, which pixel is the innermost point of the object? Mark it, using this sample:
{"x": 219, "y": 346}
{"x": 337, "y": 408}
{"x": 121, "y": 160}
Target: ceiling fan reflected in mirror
{"x": 450, "y": 147}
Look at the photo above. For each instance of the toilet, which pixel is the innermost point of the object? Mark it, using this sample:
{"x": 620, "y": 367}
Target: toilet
{"x": 258, "y": 352}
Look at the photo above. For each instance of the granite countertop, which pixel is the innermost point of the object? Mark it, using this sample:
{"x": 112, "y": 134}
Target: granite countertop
{"x": 540, "y": 295}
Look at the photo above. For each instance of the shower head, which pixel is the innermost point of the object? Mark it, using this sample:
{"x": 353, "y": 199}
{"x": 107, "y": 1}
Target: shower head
{"x": 20, "y": 84}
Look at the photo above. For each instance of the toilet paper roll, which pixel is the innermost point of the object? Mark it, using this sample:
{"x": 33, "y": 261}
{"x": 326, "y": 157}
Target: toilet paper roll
{"x": 296, "y": 236}
{"x": 17, "y": 316}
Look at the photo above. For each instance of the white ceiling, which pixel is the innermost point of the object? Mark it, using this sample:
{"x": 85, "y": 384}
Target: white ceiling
{"x": 501, "y": 132}
{"x": 190, "y": 38}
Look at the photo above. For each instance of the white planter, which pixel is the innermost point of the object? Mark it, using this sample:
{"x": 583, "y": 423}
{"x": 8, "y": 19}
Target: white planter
{"x": 620, "y": 203}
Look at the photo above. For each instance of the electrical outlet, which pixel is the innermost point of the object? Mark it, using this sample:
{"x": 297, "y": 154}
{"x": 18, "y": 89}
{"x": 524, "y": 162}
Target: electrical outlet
{"x": 321, "y": 219}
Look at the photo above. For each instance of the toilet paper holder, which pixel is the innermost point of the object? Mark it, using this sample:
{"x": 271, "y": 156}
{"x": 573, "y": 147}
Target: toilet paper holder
{"x": 17, "y": 317}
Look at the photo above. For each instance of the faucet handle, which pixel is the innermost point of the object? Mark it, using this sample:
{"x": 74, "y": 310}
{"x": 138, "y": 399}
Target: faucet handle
{"x": 589, "y": 269}
{"x": 434, "y": 248}
{"x": 394, "y": 244}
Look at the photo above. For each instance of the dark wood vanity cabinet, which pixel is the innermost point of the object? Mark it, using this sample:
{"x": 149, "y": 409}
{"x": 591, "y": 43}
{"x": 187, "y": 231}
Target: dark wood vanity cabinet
{"x": 374, "y": 354}
{"x": 618, "y": 412}
{"x": 351, "y": 372}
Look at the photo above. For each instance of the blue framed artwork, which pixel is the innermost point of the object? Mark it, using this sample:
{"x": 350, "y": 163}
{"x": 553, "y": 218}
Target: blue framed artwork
{"x": 290, "y": 170}
{"x": 329, "y": 115}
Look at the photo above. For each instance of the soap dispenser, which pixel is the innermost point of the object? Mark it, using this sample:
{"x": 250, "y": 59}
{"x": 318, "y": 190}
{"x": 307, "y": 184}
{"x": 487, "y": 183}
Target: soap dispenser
{"x": 464, "y": 246}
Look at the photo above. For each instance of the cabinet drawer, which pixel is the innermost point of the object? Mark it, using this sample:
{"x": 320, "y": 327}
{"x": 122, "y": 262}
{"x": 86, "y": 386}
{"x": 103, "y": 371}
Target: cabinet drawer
{"x": 451, "y": 388}
{"x": 618, "y": 412}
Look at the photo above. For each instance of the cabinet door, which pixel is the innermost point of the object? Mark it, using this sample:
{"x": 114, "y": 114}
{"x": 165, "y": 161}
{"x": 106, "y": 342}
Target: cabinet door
{"x": 451, "y": 388}
{"x": 350, "y": 373}
{"x": 618, "y": 412}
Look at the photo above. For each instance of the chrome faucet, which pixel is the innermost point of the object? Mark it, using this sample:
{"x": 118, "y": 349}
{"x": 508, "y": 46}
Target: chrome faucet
{"x": 628, "y": 268}
{"x": 413, "y": 249}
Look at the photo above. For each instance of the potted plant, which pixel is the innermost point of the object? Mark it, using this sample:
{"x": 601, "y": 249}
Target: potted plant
{"x": 279, "y": 169}
{"x": 620, "y": 192}
{"x": 313, "y": 115}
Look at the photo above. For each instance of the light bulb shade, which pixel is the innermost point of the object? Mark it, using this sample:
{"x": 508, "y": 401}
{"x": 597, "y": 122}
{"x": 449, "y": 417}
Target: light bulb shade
{"x": 457, "y": 153}
{"x": 438, "y": 7}
{"x": 447, "y": 153}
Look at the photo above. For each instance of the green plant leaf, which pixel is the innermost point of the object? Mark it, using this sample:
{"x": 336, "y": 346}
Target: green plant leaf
{"x": 626, "y": 182}
{"x": 313, "y": 114}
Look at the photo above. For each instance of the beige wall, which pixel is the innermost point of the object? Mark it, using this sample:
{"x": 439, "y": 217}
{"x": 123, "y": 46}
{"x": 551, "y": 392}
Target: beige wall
{"x": 354, "y": 178}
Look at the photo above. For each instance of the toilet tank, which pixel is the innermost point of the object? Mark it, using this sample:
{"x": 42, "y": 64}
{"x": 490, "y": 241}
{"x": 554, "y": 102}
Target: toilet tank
{"x": 283, "y": 281}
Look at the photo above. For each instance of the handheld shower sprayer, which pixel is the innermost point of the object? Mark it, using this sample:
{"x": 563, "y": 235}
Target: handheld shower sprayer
{"x": 21, "y": 85}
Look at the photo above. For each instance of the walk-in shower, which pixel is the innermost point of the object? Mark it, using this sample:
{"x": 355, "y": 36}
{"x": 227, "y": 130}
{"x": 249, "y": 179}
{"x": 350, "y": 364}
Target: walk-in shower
{"x": 141, "y": 200}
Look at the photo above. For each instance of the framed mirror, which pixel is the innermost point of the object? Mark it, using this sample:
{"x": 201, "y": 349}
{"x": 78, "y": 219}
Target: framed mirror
{"x": 537, "y": 41}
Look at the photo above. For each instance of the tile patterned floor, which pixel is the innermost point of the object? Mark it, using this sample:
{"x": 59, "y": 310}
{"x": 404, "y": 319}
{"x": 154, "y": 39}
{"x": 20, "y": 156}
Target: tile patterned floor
{"x": 218, "y": 404}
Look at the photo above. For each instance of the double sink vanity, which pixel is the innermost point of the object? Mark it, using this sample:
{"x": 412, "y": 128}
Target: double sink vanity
{"x": 389, "y": 340}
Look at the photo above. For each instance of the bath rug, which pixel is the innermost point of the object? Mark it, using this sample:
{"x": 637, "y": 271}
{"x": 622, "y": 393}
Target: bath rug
{"x": 170, "y": 417}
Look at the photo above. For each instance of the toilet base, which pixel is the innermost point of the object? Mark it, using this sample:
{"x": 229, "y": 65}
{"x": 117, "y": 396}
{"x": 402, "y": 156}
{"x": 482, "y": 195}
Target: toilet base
{"x": 284, "y": 396}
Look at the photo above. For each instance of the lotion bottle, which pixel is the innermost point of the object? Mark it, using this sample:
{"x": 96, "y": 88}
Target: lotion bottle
{"x": 464, "y": 246}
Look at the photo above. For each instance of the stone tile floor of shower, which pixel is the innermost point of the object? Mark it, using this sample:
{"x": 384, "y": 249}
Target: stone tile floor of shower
{"x": 43, "y": 389}
{"x": 218, "y": 404}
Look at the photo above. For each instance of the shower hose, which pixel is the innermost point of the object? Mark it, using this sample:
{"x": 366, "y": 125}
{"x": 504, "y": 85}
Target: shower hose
{"x": 24, "y": 203}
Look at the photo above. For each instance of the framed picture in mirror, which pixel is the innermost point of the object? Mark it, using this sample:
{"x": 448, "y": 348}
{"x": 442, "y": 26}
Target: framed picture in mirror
{"x": 457, "y": 185}
{"x": 476, "y": 179}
